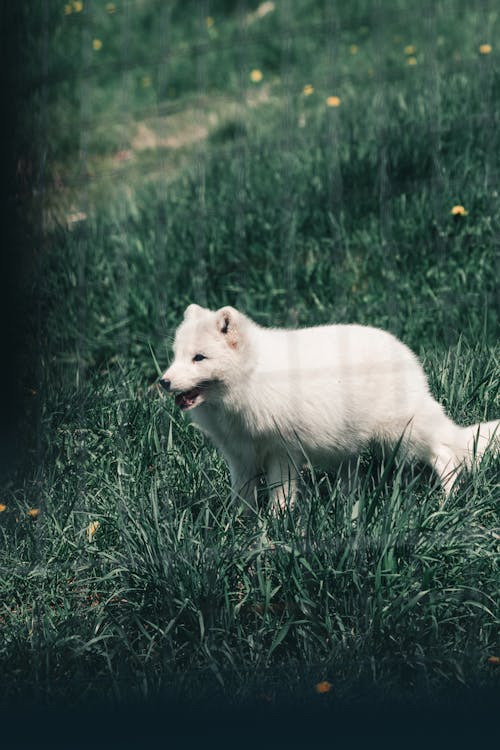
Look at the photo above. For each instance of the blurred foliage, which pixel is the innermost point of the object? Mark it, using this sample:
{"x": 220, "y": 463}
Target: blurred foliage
{"x": 165, "y": 175}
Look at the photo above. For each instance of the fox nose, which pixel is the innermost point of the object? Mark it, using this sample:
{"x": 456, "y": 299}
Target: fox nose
{"x": 165, "y": 384}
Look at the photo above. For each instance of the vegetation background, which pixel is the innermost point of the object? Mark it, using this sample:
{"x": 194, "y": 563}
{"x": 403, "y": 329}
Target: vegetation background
{"x": 306, "y": 161}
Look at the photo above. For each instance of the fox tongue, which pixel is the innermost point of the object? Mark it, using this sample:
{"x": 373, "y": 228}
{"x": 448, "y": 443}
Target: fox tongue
{"x": 183, "y": 400}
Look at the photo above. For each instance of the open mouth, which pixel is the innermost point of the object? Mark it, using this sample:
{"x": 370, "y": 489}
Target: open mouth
{"x": 189, "y": 399}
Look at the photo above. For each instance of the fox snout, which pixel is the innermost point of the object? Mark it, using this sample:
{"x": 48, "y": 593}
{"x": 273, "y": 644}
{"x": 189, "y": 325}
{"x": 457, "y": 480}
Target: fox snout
{"x": 165, "y": 384}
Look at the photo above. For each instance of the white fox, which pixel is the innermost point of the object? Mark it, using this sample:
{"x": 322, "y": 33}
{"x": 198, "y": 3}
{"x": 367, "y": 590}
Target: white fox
{"x": 270, "y": 398}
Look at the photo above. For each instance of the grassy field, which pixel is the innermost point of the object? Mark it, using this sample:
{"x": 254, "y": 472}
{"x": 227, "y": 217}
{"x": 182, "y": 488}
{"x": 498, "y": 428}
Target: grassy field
{"x": 301, "y": 164}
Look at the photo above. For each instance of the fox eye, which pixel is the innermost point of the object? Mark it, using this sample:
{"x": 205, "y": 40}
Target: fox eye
{"x": 198, "y": 357}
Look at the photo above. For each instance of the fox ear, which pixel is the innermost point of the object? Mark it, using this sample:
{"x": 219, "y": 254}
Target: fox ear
{"x": 192, "y": 311}
{"x": 227, "y": 324}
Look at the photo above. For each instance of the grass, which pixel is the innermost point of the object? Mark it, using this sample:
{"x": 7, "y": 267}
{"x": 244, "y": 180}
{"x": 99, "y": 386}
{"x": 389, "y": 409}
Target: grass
{"x": 298, "y": 213}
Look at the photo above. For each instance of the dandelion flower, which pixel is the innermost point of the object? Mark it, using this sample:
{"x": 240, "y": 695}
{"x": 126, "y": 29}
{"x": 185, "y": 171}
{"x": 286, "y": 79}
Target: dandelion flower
{"x": 458, "y": 211}
{"x": 256, "y": 76}
{"x": 333, "y": 101}
{"x": 97, "y": 44}
{"x": 68, "y": 9}
{"x": 2, "y": 507}
{"x": 308, "y": 90}
{"x": 77, "y": 6}
{"x": 410, "y": 49}
{"x": 353, "y": 49}
{"x": 91, "y": 529}
{"x": 485, "y": 49}
{"x": 34, "y": 512}
{"x": 411, "y": 61}
{"x": 111, "y": 7}
{"x": 323, "y": 687}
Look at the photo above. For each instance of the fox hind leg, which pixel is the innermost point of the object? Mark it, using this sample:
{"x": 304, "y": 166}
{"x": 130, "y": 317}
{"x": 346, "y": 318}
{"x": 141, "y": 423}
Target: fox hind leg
{"x": 447, "y": 466}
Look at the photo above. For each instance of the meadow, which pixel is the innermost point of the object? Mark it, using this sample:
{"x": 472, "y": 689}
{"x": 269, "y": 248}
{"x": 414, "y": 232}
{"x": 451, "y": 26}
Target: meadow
{"x": 308, "y": 162}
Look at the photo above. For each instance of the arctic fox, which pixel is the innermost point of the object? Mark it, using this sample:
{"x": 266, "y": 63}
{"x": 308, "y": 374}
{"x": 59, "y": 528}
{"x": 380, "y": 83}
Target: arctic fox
{"x": 270, "y": 398}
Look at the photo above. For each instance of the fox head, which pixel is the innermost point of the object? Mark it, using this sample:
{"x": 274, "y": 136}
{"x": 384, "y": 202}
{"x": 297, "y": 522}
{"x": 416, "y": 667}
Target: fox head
{"x": 208, "y": 353}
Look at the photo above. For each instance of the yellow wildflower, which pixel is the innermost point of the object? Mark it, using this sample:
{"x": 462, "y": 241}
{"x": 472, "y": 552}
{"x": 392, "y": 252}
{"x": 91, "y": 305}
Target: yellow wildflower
{"x": 308, "y": 90}
{"x": 97, "y": 44}
{"x": 410, "y": 49}
{"x": 77, "y": 6}
{"x": 411, "y": 61}
{"x": 458, "y": 211}
{"x": 111, "y": 7}
{"x": 34, "y": 512}
{"x": 256, "y": 76}
{"x": 2, "y": 507}
{"x": 353, "y": 49}
{"x": 323, "y": 687}
{"x": 68, "y": 9}
{"x": 485, "y": 49}
{"x": 91, "y": 529}
{"x": 146, "y": 82}
{"x": 210, "y": 22}
{"x": 333, "y": 101}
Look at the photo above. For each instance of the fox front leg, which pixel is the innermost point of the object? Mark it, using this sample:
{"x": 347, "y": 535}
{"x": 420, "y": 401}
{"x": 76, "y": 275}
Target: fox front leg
{"x": 244, "y": 480}
{"x": 282, "y": 478}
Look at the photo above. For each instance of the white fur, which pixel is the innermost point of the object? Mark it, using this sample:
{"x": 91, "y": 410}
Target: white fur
{"x": 272, "y": 397}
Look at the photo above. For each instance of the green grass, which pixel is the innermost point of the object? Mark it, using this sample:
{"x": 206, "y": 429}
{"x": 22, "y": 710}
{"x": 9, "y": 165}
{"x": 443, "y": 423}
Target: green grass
{"x": 298, "y": 214}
